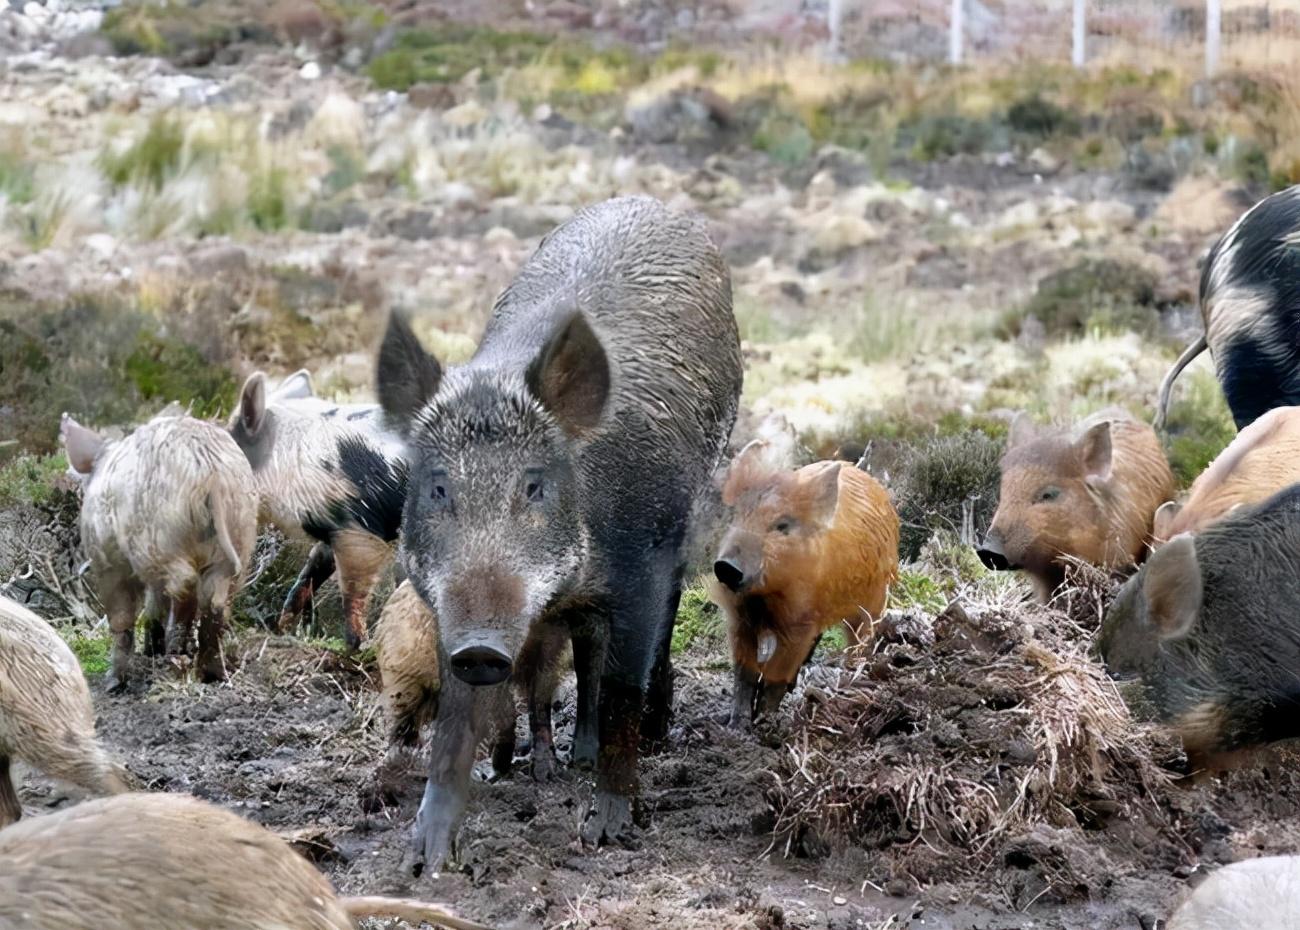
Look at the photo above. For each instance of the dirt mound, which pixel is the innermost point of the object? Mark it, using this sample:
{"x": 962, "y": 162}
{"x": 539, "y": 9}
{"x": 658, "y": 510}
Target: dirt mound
{"x": 983, "y": 741}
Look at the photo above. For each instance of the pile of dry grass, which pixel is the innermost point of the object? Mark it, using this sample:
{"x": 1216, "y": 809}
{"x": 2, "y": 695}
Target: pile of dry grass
{"x": 983, "y": 738}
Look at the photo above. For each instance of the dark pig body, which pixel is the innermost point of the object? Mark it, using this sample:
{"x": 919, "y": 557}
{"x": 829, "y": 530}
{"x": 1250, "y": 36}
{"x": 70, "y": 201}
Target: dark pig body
{"x": 1209, "y": 626}
{"x": 554, "y": 474}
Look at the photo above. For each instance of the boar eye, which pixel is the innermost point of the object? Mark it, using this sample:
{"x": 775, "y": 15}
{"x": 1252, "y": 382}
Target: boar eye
{"x": 439, "y": 491}
{"x": 1048, "y": 494}
{"x": 534, "y": 488}
{"x": 783, "y": 526}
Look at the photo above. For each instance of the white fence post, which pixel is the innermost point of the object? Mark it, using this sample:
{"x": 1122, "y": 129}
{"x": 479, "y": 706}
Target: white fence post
{"x": 1077, "y": 50}
{"x": 834, "y": 21}
{"x": 955, "y": 32}
{"x": 1213, "y": 30}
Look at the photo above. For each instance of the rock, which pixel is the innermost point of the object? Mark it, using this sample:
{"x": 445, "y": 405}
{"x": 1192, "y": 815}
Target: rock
{"x": 680, "y": 115}
{"x": 1110, "y": 215}
{"x": 1044, "y": 161}
{"x": 840, "y": 233}
{"x": 220, "y": 259}
{"x": 1201, "y": 205}
{"x": 310, "y": 71}
{"x": 431, "y": 96}
{"x": 573, "y": 15}
{"x": 102, "y": 244}
{"x": 465, "y": 115}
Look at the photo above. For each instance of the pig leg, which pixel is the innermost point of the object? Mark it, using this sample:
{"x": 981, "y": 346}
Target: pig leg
{"x": 180, "y": 623}
{"x": 588, "y": 666}
{"x": 155, "y": 603}
{"x": 744, "y": 698}
{"x": 538, "y": 671}
{"x": 317, "y": 570}
{"x": 121, "y": 599}
{"x": 659, "y": 699}
{"x": 11, "y": 809}
{"x": 466, "y": 715}
{"x": 773, "y": 693}
{"x": 360, "y": 558}
{"x": 212, "y": 615}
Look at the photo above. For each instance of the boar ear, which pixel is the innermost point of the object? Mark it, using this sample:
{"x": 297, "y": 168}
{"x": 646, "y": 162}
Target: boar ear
{"x": 252, "y": 404}
{"x": 82, "y": 444}
{"x": 295, "y": 387}
{"x": 570, "y": 376}
{"x": 826, "y": 492}
{"x": 1094, "y": 449}
{"x": 407, "y": 376}
{"x": 1173, "y": 587}
{"x": 1166, "y": 514}
{"x": 749, "y": 462}
{"x": 1021, "y": 430}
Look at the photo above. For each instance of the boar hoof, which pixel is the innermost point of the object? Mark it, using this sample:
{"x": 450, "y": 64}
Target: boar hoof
{"x": 115, "y": 683}
{"x": 609, "y": 820}
{"x": 212, "y": 670}
{"x": 435, "y": 828}
{"x": 545, "y": 767}
{"x": 741, "y": 722}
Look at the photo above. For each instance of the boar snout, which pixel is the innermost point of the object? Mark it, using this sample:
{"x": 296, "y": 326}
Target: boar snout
{"x": 993, "y": 554}
{"x": 729, "y": 573}
{"x": 481, "y": 659}
{"x": 739, "y": 562}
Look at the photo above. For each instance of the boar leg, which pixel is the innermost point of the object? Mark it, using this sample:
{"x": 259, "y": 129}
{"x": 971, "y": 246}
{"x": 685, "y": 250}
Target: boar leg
{"x": 360, "y": 558}
{"x": 744, "y": 698}
{"x": 212, "y": 615}
{"x": 180, "y": 623}
{"x": 121, "y": 599}
{"x": 659, "y": 698}
{"x": 538, "y": 672}
{"x": 156, "y": 603}
{"x": 301, "y": 597}
{"x": 773, "y": 693}
{"x": 466, "y": 715}
{"x": 11, "y": 809}
{"x": 588, "y": 666}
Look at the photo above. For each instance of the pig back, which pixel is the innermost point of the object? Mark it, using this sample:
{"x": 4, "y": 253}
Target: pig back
{"x": 157, "y": 862}
{"x": 43, "y": 693}
{"x": 657, "y": 293}
{"x": 861, "y": 556}
{"x": 1140, "y": 481}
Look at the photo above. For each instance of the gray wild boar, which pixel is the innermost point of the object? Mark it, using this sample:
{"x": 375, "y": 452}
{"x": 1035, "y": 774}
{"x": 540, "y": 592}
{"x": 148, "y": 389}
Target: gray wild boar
{"x": 170, "y": 510}
{"x": 46, "y": 718}
{"x": 328, "y": 473}
{"x": 1256, "y": 894}
{"x": 1090, "y": 494}
{"x": 1250, "y": 307}
{"x": 1209, "y": 626}
{"x": 167, "y": 862}
{"x": 553, "y": 475}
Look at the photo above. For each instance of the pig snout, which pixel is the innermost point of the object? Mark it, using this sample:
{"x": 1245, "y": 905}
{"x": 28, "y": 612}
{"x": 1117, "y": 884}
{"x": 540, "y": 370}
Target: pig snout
{"x": 481, "y": 660}
{"x": 729, "y": 573}
{"x": 992, "y": 552}
{"x": 738, "y": 564}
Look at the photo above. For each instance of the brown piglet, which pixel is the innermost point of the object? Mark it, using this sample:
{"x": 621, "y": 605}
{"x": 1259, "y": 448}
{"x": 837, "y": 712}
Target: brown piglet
{"x": 1089, "y": 493}
{"x": 806, "y": 549}
{"x": 1262, "y": 460}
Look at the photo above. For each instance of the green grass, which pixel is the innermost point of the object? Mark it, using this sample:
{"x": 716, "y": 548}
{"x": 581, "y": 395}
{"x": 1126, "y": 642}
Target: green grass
{"x": 29, "y": 479}
{"x": 268, "y": 200}
{"x": 915, "y": 589}
{"x": 1199, "y": 425}
{"x": 91, "y": 651}
{"x": 445, "y": 55}
{"x": 151, "y": 159}
{"x": 698, "y": 621}
{"x": 17, "y": 179}
{"x": 163, "y": 370}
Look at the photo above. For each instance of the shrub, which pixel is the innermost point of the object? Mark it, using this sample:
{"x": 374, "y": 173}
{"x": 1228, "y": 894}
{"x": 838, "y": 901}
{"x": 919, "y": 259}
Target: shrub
{"x": 698, "y": 621}
{"x": 445, "y": 55}
{"x": 1095, "y": 294}
{"x": 1199, "y": 425}
{"x": 1036, "y": 116}
{"x": 151, "y": 159}
{"x": 947, "y": 483}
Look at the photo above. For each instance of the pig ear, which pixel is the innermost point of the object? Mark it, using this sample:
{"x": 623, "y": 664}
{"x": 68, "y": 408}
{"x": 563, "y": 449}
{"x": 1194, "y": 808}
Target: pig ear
{"x": 748, "y": 463}
{"x": 82, "y": 444}
{"x": 1094, "y": 448}
{"x": 826, "y": 492}
{"x": 295, "y": 387}
{"x": 407, "y": 376}
{"x": 1173, "y": 588}
{"x": 570, "y": 376}
{"x": 252, "y": 404}
{"x": 1021, "y": 430}
{"x": 1166, "y": 514}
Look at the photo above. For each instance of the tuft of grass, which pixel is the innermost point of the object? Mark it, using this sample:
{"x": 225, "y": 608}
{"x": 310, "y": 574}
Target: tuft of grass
{"x": 918, "y": 590}
{"x": 1095, "y": 295}
{"x": 163, "y": 369}
{"x": 31, "y": 479}
{"x": 268, "y": 199}
{"x": 91, "y": 651}
{"x": 783, "y": 136}
{"x": 447, "y": 54}
{"x": 17, "y": 179}
{"x": 698, "y": 621}
{"x": 152, "y": 159}
{"x": 947, "y": 484}
{"x": 1199, "y": 425}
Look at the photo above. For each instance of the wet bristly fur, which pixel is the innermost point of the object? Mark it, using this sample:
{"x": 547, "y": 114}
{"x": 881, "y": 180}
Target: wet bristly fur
{"x": 406, "y": 644}
{"x": 834, "y": 562}
{"x": 1209, "y": 626}
{"x": 1263, "y": 459}
{"x": 1257, "y": 893}
{"x": 1250, "y": 305}
{"x": 170, "y": 508}
{"x": 553, "y": 476}
{"x": 165, "y": 862}
{"x": 1103, "y": 518}
{"x": 328, "y": 473}
{"x": 46, "y": 717}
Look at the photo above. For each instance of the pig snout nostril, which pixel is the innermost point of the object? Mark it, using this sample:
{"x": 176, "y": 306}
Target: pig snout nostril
{"x": 993, "y": 559}
{"x": 481, "y": 664}
{"x": 729, "y": 573}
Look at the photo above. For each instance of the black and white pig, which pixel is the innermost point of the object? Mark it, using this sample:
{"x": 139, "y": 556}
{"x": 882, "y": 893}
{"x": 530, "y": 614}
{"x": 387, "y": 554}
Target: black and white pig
{"x": 329, "y": 473}
{"x": 1250, "y": 307}
{"x": 552, "y": 476}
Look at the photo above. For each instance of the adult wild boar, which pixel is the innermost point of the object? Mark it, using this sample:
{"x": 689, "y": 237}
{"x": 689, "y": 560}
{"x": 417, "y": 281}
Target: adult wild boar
{"x": 169, "y": 509}
{"x": 1263, "y": 459}
{"x": 1088, "y": 493}
{"x": 328, "y": 473}
{"x": 806, "y": 550}
{"x": 46, "y": 717}
{"x": 553, "y": 475}
{"x": 1209, "y": 625}
{"x": 1250, "y": 308}
{"x": 170, "y": 862}
{"x": 1255, "y": 893}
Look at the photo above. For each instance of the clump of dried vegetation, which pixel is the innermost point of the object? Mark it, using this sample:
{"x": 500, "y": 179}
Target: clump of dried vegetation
{"x": 977, "y": 740}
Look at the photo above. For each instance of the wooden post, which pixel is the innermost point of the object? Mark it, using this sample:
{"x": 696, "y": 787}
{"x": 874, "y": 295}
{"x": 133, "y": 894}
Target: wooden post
{"x": 1213, "y": 30}
{"x": 955, "y": 28}
{"x": 834, "y": 22}
{"x": 1078, "y": 54}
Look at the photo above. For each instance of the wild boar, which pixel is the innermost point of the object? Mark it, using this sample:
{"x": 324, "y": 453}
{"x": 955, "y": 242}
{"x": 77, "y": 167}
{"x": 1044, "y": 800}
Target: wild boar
{"x": 1089, "y": 494}
{"x": 166, "y": 862}
{"x": 1256, "y": 893}
{"x": 46, "y": 718}
{"x": 327, "y": 473}
{"x": 1263, "y": 459}
{"x": 806, "y": 550}
{"x": 1250, "y": 308}
{"x": 1208, "y": 625}
{"x": 553, "y": 475}
{"x": 169, "y": 509}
